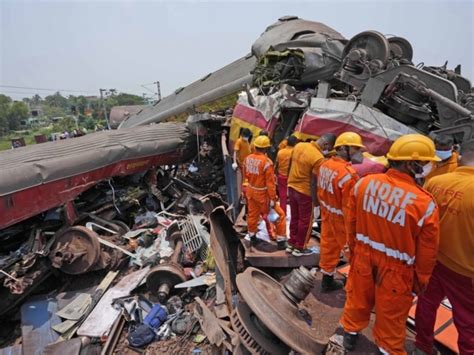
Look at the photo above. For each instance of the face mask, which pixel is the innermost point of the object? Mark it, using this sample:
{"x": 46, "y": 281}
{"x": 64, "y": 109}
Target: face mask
{"x": 444, "y": 154}
{"x": 424, "y": 171}
{"x": 246, "y": 138}
{"x": 356, "y": 157}
{"x": 325, "y": 152}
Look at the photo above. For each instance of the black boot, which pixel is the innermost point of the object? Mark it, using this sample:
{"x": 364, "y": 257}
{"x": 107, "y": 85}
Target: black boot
{"x": 350, "y": 341}
{"x": 329, "y": 284}
{"x": 253, "y": 241}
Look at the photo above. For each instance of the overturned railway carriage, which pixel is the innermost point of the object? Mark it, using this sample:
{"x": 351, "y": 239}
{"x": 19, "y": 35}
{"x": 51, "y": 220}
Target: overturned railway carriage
{"x": 37, "y": 178}
{"x": 319, "y": 82}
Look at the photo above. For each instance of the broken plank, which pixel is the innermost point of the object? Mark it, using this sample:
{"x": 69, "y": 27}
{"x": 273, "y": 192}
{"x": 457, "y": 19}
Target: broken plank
{"x": 97, "y": 295}
{"x": 77, "y": 308}
{"x": 101, "y": 319}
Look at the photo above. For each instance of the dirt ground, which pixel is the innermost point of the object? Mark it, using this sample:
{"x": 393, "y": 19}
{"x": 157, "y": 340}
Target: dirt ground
{"x": 326, "y": 310}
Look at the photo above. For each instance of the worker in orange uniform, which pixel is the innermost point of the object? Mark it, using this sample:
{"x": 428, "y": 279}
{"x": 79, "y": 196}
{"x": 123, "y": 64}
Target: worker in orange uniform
{"x": 335, "y": 179}
{"x": 449, "y": 157}
{"x": 393, "y": 230}
{"x": 453, "y": 275}
{"x": 261, "y": 191}
{"x": 242, "y": 148}
{"x": 261, "y": 133}
{"x": 282, "y": 167}
{"x": 305, "y": 161}
{"x": 241, "y": 151}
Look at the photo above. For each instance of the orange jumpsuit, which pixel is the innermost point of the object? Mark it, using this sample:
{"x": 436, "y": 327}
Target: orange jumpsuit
{"x": 444, "y": 167}
{"x": 335, "y": 179}
{"x": 261, "y": 190}
{"x": 393, "y": 231}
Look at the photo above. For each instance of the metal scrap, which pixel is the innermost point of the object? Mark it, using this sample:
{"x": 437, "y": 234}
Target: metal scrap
{"x": 162, "y": 278}
{"x": 279, "y": 313}
{"x": 209, "y": 323}
{"x": 113, "y": 336}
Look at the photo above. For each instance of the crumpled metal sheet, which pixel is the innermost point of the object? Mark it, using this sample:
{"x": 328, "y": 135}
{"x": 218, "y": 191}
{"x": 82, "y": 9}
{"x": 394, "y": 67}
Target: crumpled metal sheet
{"x": 294, "y": 33}
{"x": 336, "y": 116}
{"x": 37, "y": 318}
{"x": 222, "y": 82}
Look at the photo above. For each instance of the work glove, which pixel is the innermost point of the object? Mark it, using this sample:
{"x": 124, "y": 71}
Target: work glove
{"x": 347, "y": 253}
{"x": 234, "y": 166}
{"x": 316, "y": 212}
{"x": 272, "y": 203}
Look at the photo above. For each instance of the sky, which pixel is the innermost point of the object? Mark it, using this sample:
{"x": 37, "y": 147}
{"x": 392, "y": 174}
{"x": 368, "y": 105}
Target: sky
{"x": 83, "y": 46}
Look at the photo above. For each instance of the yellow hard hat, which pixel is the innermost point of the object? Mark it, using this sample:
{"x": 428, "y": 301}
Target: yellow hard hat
{"x": 378, "y": 159}
{"x": 350, "y": 139}
{"x": 262, "y": 142}
{"x": 413, "y": 147}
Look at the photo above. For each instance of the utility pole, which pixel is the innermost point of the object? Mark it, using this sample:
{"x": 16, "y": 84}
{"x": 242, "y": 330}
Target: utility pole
{"x": 158, "y": 92}
{"x": 105, "y": 107}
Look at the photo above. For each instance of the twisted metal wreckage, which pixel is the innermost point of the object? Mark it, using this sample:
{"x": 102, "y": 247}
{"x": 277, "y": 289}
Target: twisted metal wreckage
{"x": 151, "y": 194}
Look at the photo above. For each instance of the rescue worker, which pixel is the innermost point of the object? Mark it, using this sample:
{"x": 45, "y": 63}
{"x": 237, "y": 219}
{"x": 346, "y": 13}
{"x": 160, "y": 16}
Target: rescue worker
{"x": 261, "y": 133}
{"x": 241, "y": 151}
{"x": 453, "y": 275}
{"x": 282, "y": 167}
{"x": 242, "y": 148}
{"x": 305, "y": 161}
{"x": 449, "y": 157}
{"x": 392, "y": 229}
{"x": 335, "y": 179}
{"x": 261, "y": 191}
{"x": 270, "y": 228}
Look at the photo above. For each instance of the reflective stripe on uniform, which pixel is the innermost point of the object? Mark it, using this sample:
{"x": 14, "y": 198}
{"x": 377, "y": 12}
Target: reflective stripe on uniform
{"x": 331, "y": 209}
{"x": 258, "y": 188}
{"x": 429, "y": 212}
{"x": 343, "y": 180}
{"x": 388, "y": 251}
{"x": 356, "y": 187}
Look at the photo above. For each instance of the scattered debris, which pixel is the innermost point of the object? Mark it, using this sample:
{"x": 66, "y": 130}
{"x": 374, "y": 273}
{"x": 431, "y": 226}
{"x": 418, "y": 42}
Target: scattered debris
{"x": 37, "y": 319}
{"x": 101, "y": 319}
{"x": 147, "y": 206}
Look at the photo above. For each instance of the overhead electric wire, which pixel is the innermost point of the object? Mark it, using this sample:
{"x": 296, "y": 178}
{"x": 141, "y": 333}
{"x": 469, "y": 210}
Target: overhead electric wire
{"x": 44, "y": 89}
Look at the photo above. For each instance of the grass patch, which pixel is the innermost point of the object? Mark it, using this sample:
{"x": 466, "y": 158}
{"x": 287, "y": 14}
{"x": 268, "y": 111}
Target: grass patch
{"x": 29, "y": 136}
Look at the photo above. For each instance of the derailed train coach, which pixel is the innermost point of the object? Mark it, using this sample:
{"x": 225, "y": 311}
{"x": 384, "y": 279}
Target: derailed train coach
{"x": 315, "y": 81}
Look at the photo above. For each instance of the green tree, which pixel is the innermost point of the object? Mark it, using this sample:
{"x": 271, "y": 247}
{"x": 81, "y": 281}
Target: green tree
{"x": 123, "y": 99}
{"x": 5, "y": 102}
{"x": 53, "y": 111}
{"x": 17, "y": 112}
{"x": 66, "y": 124}
{"x": 89, "y": 123}
{"x": 56, "y": 100}
{"x": 81, "y": 102}
{"x": 36, "y": 100}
